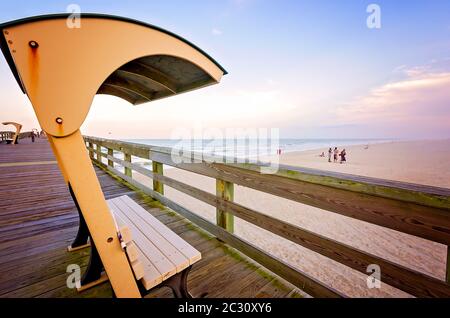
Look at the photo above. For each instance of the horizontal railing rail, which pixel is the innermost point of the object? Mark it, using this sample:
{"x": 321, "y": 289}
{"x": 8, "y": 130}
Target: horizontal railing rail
{"x": 419, "y": 210}
{"x": 25, "y": 134}
{"x": 6, "y": 135}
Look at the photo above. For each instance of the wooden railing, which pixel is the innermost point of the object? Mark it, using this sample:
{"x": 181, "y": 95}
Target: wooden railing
{"x": 422, "y": 211}
{"x": 5, "y": 135}
{"x": 25, "y": 134}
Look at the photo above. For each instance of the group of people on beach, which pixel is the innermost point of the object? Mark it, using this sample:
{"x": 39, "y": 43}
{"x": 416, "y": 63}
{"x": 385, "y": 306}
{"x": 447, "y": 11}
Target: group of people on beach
{"x": 335, "y": 154}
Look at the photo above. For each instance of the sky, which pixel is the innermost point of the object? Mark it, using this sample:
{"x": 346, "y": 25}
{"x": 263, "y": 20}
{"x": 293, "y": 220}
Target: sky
{"x": 312, "y": 69}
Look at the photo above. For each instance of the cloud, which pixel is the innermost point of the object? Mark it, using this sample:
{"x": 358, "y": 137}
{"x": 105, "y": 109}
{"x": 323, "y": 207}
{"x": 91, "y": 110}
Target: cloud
{"x": 399, "y": 69}
{"x": 216, "y": 31}
{"x": 418, "y": 102}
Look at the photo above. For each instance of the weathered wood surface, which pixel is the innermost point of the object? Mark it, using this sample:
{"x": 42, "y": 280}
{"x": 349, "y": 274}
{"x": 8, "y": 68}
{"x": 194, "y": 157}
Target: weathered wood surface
{"x": 158, "y": 168}
{"x": 225, "y": 191}
{"x": 26, "y": 151}
{"x": 38, "y": 221}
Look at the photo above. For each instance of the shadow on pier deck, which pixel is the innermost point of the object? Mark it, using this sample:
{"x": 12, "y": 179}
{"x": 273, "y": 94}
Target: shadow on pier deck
{"x": 38, "y": 220}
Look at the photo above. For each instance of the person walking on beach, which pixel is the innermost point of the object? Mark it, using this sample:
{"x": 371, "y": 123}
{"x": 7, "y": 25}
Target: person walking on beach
{"x": 330, "y": 151}
{"x": 335, "y": 156}
{"x": 343, "y": 154}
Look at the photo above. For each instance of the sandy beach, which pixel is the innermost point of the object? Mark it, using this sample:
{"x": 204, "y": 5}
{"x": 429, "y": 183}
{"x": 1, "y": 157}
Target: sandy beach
{"x": 425, "y": 162}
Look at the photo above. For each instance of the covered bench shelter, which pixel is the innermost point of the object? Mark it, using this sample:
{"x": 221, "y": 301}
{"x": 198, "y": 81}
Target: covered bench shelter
{"x": 61, "y": 69}
{"x": 15, "y": 137}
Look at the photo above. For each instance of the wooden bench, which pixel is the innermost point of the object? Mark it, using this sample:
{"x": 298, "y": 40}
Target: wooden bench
{"x": 157, "y": 255}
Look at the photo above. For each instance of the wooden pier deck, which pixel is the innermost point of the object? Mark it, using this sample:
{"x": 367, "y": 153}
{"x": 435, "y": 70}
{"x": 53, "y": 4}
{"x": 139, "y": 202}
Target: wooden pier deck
{"x": 38, "y": 220}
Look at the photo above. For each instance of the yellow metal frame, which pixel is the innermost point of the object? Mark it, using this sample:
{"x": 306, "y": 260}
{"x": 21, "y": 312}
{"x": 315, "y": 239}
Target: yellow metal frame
{"x": 61, "y": 69}
{"x": 18, "y": 128}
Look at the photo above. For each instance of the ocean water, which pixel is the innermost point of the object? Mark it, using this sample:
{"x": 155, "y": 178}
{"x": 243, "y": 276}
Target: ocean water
{"x": 252, "y": 148}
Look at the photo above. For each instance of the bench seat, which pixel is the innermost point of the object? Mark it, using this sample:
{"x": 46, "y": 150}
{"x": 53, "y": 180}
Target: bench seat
{"x": 156, "y": 253}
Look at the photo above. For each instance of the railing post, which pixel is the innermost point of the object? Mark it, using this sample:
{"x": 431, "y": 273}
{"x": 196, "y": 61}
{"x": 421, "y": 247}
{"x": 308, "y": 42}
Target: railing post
{"x": 225, "y": 190}
{"x": 98, "y": 151}
{"x": 158, "y": 169}
{"x": 127, "y": 158}
{"x": 91, "y": 151}
{"x": 111, "y": 154}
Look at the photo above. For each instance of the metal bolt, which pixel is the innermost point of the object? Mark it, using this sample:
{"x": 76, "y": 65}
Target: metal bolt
{"x": 33, "y": 44}
{"x": 59, "y": 120}
{"x": 110, "y": 239}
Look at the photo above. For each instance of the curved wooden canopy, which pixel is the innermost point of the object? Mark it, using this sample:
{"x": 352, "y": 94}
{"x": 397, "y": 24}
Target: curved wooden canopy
{"x": 65, "y": 67}
{"x": 17, "y": 125}
{"x": 153, "y": 77}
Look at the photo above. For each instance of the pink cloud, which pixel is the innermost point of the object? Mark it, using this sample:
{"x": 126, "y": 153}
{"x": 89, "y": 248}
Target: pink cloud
{"x": 419, "y": 101}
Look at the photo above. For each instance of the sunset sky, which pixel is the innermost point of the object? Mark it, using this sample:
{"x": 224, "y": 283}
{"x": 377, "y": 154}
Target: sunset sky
{"x": 313, "y": 69}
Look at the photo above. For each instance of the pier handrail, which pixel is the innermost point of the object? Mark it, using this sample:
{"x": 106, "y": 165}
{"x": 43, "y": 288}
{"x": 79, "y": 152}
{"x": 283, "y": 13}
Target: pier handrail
{"x": 6, "y": 135}
{"x": 418, "y": 210}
